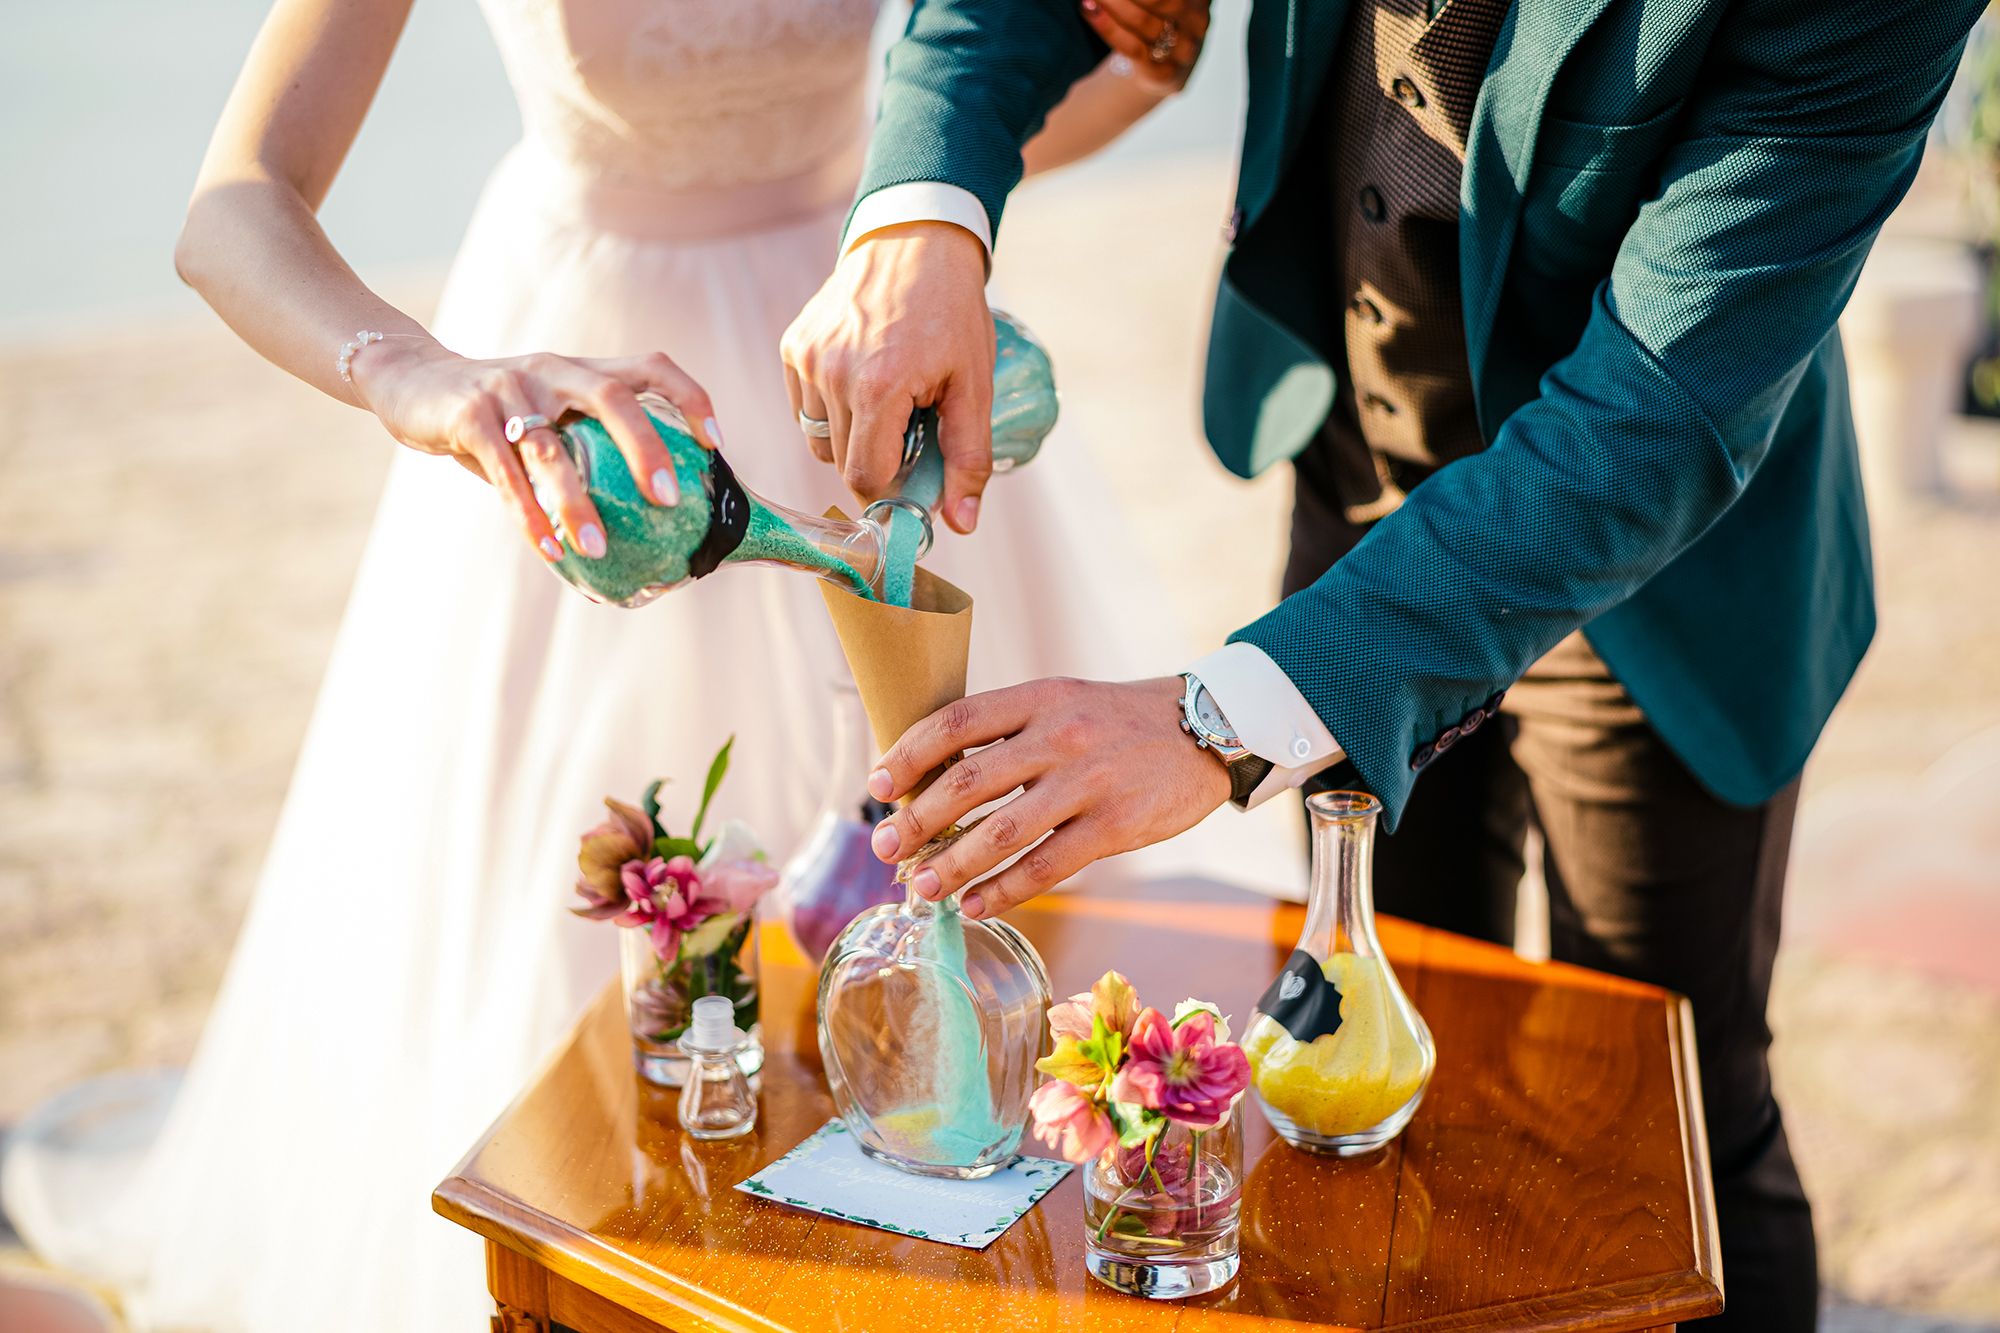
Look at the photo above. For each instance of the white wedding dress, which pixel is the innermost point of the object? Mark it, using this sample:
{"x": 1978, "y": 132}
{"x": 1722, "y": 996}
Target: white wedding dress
{"x": 409, "y": 956}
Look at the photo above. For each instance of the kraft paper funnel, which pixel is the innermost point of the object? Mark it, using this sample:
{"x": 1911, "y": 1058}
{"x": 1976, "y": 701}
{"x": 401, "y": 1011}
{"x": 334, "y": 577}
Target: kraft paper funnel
{"x": 908, "y": 662}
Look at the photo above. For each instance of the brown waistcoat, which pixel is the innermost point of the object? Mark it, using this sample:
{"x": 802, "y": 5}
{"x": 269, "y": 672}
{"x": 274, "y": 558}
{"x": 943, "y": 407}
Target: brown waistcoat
{"x": 1395, "y": 115}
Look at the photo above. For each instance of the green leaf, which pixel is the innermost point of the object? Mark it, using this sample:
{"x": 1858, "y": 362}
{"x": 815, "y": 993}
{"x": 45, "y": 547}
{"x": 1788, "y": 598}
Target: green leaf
{"x": 1135, "y": 1124}
{"x": 1103, "y": 1047}
{"x": 651, "y": 804}
{"x": 716, "y": 768}
{"x": 669, "y": 848}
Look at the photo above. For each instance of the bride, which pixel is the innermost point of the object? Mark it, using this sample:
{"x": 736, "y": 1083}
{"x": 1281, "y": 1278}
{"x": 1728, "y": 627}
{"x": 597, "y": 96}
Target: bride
{"x": 407, "y": 958}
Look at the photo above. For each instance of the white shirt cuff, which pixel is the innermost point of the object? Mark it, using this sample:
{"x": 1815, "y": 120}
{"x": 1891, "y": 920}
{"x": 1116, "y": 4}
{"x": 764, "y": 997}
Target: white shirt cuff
{"x": 1269, "y": 716}
{"x": 918, "y": 201}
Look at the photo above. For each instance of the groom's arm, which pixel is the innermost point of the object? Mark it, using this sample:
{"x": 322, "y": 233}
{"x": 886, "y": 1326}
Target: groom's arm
{"x": 968, "y": 85}
{"x": 902, "y": 322}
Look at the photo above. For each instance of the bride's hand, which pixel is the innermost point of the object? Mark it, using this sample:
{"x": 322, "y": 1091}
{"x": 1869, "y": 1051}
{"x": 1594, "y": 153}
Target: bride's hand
{"x": 436, "y": 401}
{"x": 1162, "y": 38}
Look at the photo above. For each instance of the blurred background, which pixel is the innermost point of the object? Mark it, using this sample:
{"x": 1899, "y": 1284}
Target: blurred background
{"x": 179, "y": 523}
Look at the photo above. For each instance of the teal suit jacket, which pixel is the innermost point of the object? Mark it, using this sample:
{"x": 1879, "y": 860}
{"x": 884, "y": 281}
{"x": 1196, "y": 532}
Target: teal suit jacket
{"x": 1664, "y": 207}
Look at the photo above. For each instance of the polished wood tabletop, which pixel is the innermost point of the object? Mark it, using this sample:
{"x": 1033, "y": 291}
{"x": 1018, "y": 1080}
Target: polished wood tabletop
{"x": 1555, "y": 1177}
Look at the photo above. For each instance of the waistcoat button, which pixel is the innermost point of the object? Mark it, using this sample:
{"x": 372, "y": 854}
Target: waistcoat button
{"x": 1406, "y": 92}
{"x": 1372, "y": 206}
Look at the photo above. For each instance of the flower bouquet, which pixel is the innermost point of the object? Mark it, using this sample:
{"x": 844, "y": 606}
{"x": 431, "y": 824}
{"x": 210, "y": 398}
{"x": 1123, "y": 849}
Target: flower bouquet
{"x": 689, "y": 909}
{"x": 1150, "y": 1106}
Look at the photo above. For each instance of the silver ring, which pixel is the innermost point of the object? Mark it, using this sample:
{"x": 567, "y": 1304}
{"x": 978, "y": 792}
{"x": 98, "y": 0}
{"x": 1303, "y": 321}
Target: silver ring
{"x": 814, "y": 427}
{"x": 908, "y": 506}
{"x": 1163, "y": 45}
{"x": 518, "y": 427}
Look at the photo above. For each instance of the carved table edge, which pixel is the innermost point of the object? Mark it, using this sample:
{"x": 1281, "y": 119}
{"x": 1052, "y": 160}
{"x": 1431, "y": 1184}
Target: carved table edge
{"x": 579, "y": 1258}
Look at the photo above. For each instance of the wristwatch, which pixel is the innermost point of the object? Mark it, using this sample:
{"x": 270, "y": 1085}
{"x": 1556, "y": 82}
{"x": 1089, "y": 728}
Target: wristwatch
{"x": 1202, "y": 719}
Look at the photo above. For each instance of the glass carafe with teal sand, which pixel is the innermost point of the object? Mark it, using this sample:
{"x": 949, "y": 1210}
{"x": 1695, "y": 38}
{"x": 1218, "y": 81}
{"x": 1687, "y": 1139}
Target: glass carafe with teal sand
{"x": 929, "y": 1027}
{"x": 651, "y": 549}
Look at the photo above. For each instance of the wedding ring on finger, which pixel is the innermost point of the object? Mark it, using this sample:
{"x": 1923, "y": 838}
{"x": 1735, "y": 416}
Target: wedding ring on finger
{"x": 1163, "y": 46}
{"x": 517, "y": 428}
{"x": 815, "y": 428}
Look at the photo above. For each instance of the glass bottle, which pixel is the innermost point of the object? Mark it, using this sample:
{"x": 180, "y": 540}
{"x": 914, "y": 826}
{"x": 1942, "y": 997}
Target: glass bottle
{"x": 835, "y": 875}
{"x": 1339, "y": 1057}
{"x": 929, "y": 1028}
{"x": 716, "y": 1101}
{"x": 651, "y": 549}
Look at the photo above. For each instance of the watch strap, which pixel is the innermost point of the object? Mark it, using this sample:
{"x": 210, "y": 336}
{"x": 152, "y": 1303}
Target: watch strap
{"x": 1246, "y": 773}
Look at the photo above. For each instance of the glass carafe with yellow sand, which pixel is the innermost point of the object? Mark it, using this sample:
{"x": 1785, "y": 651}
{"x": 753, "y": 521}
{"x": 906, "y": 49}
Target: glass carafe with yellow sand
{"x": 1339, "y": 1056}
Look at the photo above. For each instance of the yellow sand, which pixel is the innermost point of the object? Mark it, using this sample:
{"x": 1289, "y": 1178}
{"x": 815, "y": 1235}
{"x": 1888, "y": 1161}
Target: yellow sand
{"x": 1351, "y": 1079}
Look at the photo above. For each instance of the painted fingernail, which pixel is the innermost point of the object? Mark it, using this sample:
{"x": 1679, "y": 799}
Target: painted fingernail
{"x": 968, "y": 513}
{"x": 925, "y": 882}
{"x": 972, "y": 905}
{"x": 713, "y": 430}
{"x": 1090, "y": 6}
{"x": 591, "y": 540}
{"x": 880, "y": 785}
{"x": 886, "y": 840}
{"x": 665, "y": 490}
{"x": 551, "y": 550}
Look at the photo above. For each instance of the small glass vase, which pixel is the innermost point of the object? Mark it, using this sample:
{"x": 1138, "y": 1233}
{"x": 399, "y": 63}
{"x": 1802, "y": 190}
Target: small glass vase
{"x": 929, "y": 1028}
{"x": 1339, "y": 1057}
{"x": 836, "y": 875}
{"x": 1163, "y": 1220}
{"x": 718, "y": 957}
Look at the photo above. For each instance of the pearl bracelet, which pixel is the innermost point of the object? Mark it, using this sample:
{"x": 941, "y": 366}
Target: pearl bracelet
{"x": 348, "y": 349}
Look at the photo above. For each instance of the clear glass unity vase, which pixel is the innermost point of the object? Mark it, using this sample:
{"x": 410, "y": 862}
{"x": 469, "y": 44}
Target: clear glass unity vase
{"x": 929, "y": 1026}
{"x": 1339, "y": 1057}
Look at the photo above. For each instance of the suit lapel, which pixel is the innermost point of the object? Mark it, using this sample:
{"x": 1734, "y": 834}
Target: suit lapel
{"x": 1533, "y": 43}
{"x": 1291, "y": 49}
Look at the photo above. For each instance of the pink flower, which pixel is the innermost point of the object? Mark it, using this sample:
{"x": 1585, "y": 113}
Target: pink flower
{"x": 601, "y": 856}
{"x": 1113, "y": 999}
{"x": 1183, "y": 1072}
{"x": 1070, "y": 1122}
{"x": 665, "y": 898}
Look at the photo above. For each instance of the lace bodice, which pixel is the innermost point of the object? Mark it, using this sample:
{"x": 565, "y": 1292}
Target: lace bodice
{"x": 688, "y": 93}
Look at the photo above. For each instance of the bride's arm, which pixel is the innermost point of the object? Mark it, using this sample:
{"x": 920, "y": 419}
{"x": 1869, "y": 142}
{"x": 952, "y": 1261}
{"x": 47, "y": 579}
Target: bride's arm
{"x": 254, "y": 249}
{"x": 251, "y": 244}
{"x": 1142, "y": 72}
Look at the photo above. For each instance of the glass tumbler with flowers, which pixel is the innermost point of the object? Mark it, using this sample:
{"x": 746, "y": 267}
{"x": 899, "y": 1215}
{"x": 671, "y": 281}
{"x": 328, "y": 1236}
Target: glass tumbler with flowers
{"x": 1150, "y": 1106}
{"x": 689, "y": 909}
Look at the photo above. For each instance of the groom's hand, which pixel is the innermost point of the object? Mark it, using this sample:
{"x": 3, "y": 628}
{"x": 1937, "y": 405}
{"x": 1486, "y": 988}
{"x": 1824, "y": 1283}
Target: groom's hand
{"x": 1106, "y": 767}
{"x": 901, "y": 324}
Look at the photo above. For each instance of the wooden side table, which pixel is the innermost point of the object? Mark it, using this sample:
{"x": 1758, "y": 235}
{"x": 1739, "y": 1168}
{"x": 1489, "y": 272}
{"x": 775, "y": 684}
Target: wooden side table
{"x": 1556, "y": 1176}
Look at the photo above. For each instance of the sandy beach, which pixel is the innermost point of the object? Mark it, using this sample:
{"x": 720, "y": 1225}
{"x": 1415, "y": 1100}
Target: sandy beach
{"x": 180, "y": 522}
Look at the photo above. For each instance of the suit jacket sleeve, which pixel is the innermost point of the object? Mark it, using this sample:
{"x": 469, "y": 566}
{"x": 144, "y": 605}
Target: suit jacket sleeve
{"x": 1805, "y": 129}
{"x": 970, "y": 82}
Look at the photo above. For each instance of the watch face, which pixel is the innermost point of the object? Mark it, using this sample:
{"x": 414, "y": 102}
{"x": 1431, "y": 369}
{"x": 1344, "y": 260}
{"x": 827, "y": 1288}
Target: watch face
{"x": 1209, "y": 717}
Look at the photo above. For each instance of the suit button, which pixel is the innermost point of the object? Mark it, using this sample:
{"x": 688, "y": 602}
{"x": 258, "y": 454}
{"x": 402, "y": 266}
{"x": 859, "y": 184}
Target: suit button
{"x": 1372, "y": 206}
{"x": 1423, "y": 756}
{"x": 1369, "y": 312}
{"x": 1233, "y": 227}
{"x": 1493, "y": 704}
{"x": 1406, "y": 92}
{"x": 1470, "y": 722}
{"x": 1446, "y": 739}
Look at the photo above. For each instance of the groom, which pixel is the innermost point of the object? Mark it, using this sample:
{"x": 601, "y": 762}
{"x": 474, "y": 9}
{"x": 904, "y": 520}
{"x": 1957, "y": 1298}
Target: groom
{"x": 1539, "y": 299}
